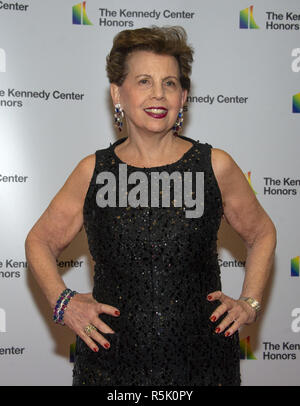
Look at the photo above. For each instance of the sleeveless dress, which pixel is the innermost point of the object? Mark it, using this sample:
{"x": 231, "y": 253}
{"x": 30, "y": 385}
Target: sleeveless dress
{"x": 156, "y": 265}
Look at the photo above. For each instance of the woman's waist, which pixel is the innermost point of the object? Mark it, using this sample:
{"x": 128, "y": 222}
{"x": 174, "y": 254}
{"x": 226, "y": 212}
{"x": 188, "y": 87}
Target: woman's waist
{"x": 160, "y": 320}
{"x": 159, "y": 274}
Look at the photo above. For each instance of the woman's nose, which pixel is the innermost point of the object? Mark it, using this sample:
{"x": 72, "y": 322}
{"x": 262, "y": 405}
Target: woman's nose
{"x": 158, "y": 91}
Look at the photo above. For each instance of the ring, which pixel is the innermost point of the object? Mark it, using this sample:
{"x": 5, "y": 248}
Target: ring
{"x": 88, "y": 329}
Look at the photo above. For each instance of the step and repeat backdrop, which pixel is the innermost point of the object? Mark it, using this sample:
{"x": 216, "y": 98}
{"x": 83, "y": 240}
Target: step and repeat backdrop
{"x": 55, "y": 109}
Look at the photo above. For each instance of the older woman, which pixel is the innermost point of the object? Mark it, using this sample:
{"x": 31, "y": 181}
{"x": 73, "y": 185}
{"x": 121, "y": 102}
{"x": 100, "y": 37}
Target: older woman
{"x": 163, "y": 317}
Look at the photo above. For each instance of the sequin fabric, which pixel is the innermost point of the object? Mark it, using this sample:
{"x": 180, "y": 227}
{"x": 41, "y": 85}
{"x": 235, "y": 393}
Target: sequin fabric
{"x": 157, "y": 266}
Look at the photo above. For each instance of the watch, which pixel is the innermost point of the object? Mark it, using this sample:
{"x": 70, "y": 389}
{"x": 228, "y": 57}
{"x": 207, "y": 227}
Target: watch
{"x": 252, "y": 302}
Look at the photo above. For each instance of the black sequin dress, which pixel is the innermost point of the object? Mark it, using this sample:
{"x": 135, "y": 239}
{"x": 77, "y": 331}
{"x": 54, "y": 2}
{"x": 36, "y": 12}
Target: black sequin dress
{"x": 156, "y": 266}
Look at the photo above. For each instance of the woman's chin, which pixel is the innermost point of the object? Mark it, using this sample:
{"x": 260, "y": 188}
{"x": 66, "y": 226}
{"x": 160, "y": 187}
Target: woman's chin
{"x": 155, "y": 129}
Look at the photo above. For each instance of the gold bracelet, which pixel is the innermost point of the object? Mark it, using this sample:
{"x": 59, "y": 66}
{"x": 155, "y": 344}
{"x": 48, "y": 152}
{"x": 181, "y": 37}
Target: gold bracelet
{"x": 253, "y": 303}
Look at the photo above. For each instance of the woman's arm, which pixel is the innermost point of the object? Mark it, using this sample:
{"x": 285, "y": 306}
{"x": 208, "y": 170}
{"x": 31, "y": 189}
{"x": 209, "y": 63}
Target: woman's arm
{"x": 56, "y": 228}
{"x": 51, "y": 234}
{"x": 248, "y": 218}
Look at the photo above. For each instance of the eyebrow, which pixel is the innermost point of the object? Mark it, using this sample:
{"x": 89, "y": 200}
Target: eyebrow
{"x": 149, "y": 76}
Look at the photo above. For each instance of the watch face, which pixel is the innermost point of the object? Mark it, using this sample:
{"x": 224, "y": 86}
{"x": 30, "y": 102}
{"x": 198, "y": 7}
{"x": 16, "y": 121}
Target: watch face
{"x": 253, "y": 303}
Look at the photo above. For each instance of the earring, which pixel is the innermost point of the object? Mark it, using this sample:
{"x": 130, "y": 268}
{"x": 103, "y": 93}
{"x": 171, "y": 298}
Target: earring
{"x": 118, "y": 116}
{"x": 178, "y": 125}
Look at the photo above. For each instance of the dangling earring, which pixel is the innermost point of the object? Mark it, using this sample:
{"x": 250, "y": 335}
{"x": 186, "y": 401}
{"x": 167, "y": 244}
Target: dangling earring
{"x": 178, "y": 125}
{"x": 118, "y": 116}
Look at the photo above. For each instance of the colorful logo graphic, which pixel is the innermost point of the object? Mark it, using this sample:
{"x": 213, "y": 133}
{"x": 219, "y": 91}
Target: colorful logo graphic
{"x": 72, "y": 352}
{"x": 79, "y": 15}
{"x": 295, "y": 266}
{"x": 245, "y": 348}
{"x": 296, "y": 103}
{"x": 2, "y": 61}
{"x": 247, "y": 19}
{"x": 248, "y": 175}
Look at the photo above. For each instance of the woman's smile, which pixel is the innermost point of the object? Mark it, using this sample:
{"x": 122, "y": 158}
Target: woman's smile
{"x": 156, "y": 112}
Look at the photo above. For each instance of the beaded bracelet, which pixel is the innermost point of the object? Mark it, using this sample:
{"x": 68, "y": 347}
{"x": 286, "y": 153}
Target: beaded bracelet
{"x": 61, "y": 304}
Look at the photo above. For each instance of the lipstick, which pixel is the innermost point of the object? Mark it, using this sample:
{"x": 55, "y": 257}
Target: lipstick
{"x": 156, "y": 112}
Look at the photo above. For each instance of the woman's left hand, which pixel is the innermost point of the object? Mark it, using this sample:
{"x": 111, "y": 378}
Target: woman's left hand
{"x": 239, "y": 313}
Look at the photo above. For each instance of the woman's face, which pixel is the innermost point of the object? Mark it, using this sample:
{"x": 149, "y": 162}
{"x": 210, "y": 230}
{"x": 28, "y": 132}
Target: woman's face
{"x": 151, "y": 95}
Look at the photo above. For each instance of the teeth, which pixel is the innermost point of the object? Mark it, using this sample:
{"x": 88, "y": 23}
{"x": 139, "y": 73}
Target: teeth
{"x": 156, "y": 111}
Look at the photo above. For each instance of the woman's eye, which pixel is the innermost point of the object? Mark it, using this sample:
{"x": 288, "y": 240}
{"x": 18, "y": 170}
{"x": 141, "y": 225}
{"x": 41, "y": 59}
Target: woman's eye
{"x": 143, "y": 81}
{"x": 170, "y": 83}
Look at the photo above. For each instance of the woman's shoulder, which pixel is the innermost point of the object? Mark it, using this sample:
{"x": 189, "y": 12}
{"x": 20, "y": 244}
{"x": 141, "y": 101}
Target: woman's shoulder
{"x": 86, "y": 165}
{"x": 220, "y": 155}
{"x": 222, "y": 162}
{"x": 82, "y": 174}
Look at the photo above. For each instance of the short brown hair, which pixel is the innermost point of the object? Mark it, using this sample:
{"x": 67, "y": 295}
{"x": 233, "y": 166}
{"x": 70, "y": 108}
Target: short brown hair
{"x": 160, "y": 40}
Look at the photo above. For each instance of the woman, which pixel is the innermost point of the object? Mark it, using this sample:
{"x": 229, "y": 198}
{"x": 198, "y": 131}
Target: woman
{"x": 157, "y": 315}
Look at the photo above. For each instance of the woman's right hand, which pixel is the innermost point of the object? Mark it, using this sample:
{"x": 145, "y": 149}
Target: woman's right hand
{"x": 83, "y": 310}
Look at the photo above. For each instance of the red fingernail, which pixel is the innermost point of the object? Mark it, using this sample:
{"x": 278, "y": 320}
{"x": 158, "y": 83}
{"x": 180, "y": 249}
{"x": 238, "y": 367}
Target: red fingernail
{"x": 117, "y": 313}
{"x": 106, "y": 345}
{"x": 217, "y": 330}
{"x": 96, "y": 349}
{"x": 227, "y": 334}
{"x": 209, "y": 297}
{"x": 213, "y": 318}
